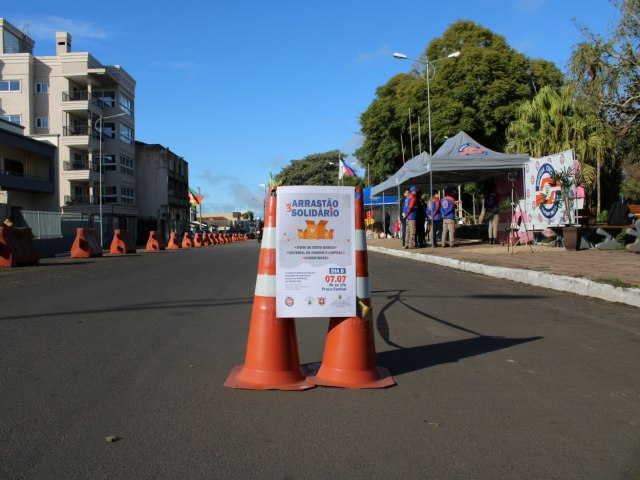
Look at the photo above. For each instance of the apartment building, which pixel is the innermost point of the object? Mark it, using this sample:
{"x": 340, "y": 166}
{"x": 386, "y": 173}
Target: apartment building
{"x": 91, "y": 107}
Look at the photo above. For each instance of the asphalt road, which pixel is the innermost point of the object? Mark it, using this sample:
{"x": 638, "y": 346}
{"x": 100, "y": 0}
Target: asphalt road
{"x": 495, "y": 380}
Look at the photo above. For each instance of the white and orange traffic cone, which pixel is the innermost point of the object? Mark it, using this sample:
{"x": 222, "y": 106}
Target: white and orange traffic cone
{"x": 349, "y": 359}
{"x": 272, "y": 360}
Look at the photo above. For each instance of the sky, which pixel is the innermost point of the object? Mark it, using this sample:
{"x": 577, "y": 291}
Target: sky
{"x": 239, "y": 88}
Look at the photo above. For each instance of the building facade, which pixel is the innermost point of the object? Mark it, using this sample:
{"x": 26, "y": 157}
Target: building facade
{"x": 162, "y": 186}
{"x": 91, "y": 107}
{"x": 27, "y": 172}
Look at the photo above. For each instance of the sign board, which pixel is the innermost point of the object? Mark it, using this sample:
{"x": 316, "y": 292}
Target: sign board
{"x": 315, "y": 252}
{"x": 541, "y": 208}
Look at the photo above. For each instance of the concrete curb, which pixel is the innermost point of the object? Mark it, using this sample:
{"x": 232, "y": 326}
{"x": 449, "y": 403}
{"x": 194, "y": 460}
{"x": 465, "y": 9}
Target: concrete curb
{"x": 563, "y": 283}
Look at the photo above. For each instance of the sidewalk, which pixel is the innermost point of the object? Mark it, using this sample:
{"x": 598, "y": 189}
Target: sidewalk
{"x": 584, "y": 272}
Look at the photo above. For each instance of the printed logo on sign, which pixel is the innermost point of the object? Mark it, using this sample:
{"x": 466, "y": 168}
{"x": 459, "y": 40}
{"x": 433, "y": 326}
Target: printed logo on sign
{"x": 547, "y": 191}
{"x": 309, "y": 301}
{"x": 289, "y": 302}
{"x": 471, "y": 150}
{"x": 322, "y": 300}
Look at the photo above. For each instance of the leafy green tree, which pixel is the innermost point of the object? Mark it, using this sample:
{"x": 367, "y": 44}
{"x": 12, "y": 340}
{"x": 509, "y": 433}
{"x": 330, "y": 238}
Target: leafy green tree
{"x": 477, "y": 92}
{"x": 315, "y": 169}
{"x": 607, "y": 74}
{"x": 554, "y": 121}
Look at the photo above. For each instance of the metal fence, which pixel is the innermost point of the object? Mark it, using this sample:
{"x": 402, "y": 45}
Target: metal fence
{"x": 52, "y": 224}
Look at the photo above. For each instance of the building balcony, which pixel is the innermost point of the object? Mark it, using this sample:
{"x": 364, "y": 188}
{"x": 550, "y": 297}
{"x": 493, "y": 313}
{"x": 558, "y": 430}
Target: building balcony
{"x": 84, "y": 170}
{"x": 81, "y": 200}
{"x": 83, "y": 104}
{"x": 81, "y": 165}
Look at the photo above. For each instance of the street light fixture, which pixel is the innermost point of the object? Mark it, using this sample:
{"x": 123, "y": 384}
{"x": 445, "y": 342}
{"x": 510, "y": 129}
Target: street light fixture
{"x": 99, "y": 121}
{"x": 430, "y": 72}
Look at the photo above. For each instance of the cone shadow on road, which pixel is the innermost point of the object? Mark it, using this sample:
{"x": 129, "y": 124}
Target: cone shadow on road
{"x": 405, "y": 360}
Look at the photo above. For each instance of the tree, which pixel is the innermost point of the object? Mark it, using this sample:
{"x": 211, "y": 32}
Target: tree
{"x": 607, "y": 75}
{"x": 554, "y": 121}
{"x": 315, "y": 169}
{"x": 477, "y": 92}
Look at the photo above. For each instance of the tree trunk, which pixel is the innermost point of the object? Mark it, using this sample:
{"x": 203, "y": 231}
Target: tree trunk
{"x": 598, "y": 186}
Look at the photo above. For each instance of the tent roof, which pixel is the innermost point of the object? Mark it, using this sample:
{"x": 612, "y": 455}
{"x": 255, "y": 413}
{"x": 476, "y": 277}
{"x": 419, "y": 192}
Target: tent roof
{"x": 459, "y": 160}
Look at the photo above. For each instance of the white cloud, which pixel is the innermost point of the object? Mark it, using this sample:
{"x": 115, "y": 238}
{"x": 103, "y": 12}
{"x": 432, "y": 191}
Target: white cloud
{"x": 45, "y": 27}
{"x": 383, "y": 51}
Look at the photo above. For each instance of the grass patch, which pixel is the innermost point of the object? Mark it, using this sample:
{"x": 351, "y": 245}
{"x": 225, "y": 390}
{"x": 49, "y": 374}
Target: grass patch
{"x": 614, "y": 282}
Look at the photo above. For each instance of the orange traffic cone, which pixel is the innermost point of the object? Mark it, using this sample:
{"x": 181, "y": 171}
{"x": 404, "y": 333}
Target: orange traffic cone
{"x": 349, "y": 358}
{"x": 271, "y": 361}
{"x": 173, "y": 242}
{"x": 186, "y": 241}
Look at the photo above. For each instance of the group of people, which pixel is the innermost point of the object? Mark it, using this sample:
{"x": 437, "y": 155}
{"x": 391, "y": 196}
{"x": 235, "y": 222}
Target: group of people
{"x": 426, "y": 223}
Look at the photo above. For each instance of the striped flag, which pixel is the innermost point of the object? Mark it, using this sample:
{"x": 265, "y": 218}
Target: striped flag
{"x": 345, "y": 170}
{"x": 194, "y": 198}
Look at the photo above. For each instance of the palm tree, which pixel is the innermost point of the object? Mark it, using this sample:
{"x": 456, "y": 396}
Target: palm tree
{"x": 554, "y": 121}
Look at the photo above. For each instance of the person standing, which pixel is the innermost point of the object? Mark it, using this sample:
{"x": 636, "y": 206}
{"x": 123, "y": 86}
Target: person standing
{"x": 420, "y": 218}
{"x": 410, "y": 217}
{"x": 387, "y": 226}
{"x": 448, "y": 210}
{"x": 491, "y": 214}
{"x": 434, "y": 214}
{"x": 396, "y": 228}
{"x": 403, "y": 220}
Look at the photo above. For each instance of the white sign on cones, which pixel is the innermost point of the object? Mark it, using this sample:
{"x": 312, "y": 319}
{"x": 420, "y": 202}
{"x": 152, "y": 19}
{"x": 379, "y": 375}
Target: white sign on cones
{"x": 315, "y": 252}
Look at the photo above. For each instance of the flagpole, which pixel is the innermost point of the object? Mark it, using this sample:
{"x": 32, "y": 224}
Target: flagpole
{"x": 200, "y": 195}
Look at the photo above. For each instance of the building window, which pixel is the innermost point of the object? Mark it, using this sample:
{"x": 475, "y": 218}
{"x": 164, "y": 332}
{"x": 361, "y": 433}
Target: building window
{"x": 128, "y": 195}
{"x": 110, "y": 194}
{"x": 109, "y": 163}
{"x": 126, "y": 134}
{"x": 42, "y": 122}
{"x": 11, "y": 43}
{"x": 106, "y": 98}
{"x": 126, "y": 104}
{"x": 9, "y": 85}
{"x": 42, "y": 88}
{"x": 126, "y": 165}
{"x": 17, "y": 119}
{"x": 13, "y": 167}
{"x": 108, "y": 129}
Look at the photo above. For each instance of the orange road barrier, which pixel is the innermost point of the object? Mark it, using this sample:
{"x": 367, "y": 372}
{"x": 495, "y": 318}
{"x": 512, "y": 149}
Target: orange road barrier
{"x": 205, "y": 239}
{"x": 86, "y": 244}
{"x": 186, "y": 241}
{"x": 349, "y": 353}
{"x": 197, "y": 240}
{"x": 212, "y": 239}
{"x": 17, "y": 247}
{"x": 155, "y": 241}
{"x": 173, "y": 242}
{"x": 271, "y": 361}
{"x": 122, "y": 243}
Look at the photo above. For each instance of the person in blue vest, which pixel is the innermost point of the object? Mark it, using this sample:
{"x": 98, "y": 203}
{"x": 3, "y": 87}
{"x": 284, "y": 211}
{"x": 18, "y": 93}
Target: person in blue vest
{"x": 434, "y": 214}
{"x": 409, "y": 213}
{"x": 448, "y": 211}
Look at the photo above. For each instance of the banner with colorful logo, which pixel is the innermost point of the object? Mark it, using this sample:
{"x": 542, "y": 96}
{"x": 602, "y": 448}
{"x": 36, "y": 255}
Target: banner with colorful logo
{"x": 315, "y": 252}
{"x": 542, "y": 195}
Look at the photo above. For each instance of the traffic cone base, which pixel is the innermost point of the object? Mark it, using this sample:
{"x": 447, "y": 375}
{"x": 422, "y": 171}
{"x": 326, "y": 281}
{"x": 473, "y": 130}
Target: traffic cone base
{"x": 349, "y": 357}
{"x": 271, "y": 361}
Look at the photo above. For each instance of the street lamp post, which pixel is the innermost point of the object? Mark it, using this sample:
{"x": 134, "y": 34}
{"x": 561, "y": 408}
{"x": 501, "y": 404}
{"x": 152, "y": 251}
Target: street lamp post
{"x": 99, "y": 121}
{"x": 430, "y": 67}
